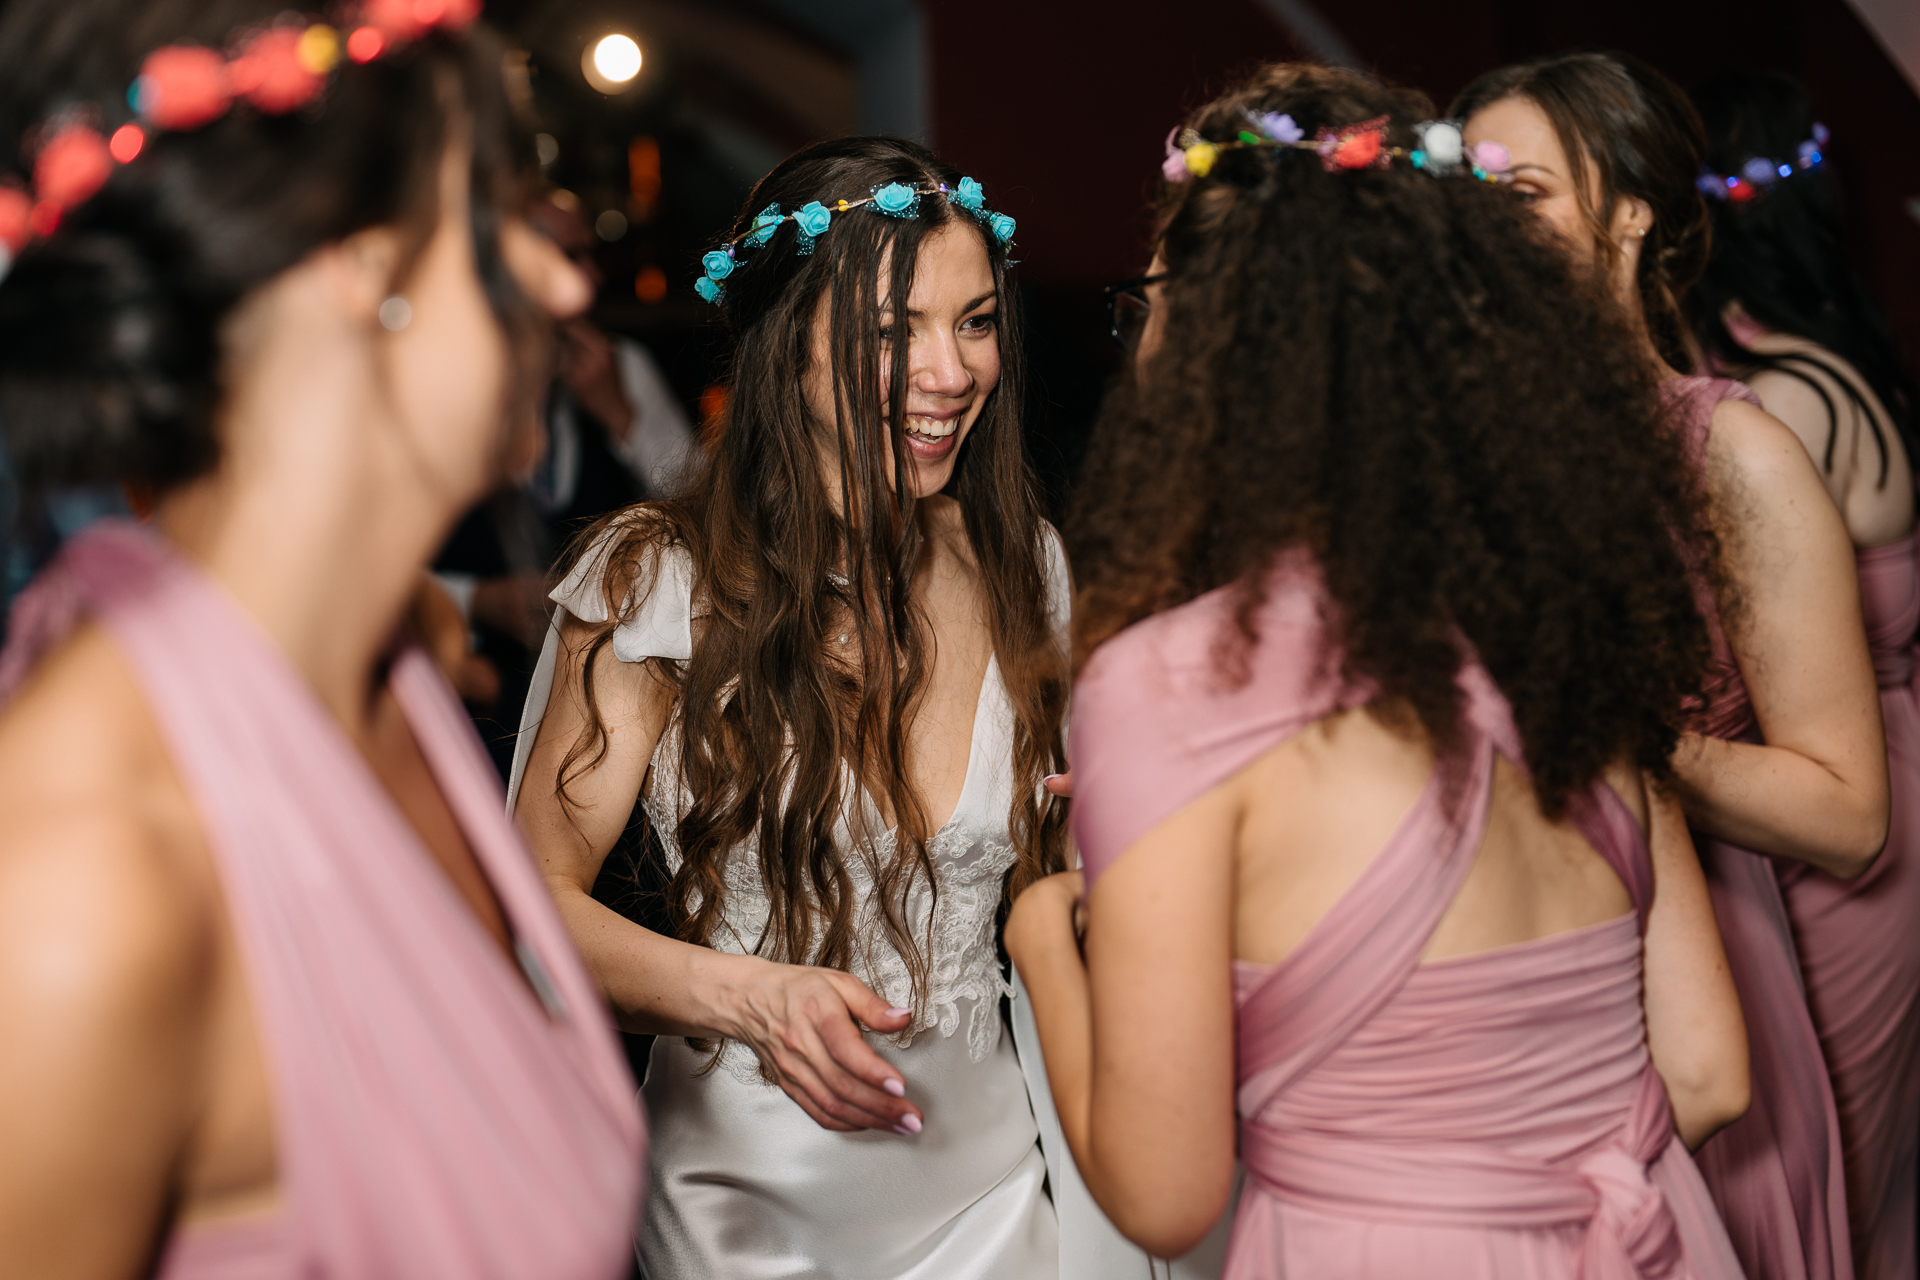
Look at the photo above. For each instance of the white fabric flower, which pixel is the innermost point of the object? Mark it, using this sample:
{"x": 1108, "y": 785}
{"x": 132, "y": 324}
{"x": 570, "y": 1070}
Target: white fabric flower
{"x": 1442, "y": 143}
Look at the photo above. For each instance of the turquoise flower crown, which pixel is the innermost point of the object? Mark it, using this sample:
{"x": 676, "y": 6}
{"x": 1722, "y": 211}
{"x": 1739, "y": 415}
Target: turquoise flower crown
{"x": 895, "y": 200}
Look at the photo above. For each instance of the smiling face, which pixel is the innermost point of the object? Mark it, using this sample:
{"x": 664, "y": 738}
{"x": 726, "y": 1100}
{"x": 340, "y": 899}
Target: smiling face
{"x": 951, "y": 328}
{"x": 1544, "y": 177}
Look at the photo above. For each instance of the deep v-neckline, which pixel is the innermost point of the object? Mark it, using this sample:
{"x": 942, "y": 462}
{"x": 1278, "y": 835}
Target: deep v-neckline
{"x": 967, "y": 781}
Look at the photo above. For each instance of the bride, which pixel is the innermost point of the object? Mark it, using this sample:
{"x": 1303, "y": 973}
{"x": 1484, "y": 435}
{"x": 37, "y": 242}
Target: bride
{"x": 834, "y": 676}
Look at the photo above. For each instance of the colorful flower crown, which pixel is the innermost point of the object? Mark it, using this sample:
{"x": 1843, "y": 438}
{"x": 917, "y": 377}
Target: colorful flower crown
{"x": 277, "y": 69}
{"x": 895, "y": 200}
{"x": 1761, "y": 172}
{"x": 1442, "y": 150}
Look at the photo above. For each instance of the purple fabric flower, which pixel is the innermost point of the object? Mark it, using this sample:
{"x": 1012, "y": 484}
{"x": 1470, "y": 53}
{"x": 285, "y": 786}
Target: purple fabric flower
{"x": 1277, "y": 125}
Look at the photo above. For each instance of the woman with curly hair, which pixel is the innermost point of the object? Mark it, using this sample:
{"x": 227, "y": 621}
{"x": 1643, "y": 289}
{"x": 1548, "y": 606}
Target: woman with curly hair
{"x": 283, "y": 994}
{"x": 1787, "y": 760}
{"x": 1387, "y": 628}
{"x": 1780, "y": 307}
{"x": 833, "y": 676}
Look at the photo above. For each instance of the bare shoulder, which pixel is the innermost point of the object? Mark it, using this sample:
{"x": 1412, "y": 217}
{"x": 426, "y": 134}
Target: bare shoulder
{"x": 106, "y": 893}
{"x": 1762, "y": 458}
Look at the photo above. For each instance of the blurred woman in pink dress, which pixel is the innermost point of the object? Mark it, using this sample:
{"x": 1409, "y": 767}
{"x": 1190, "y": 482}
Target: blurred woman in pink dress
{"x": 1788, "y": 760}
{"x": 283, "y": 993}
{"x": 1780, "y": 308}
{"x": 1390, "y": 645}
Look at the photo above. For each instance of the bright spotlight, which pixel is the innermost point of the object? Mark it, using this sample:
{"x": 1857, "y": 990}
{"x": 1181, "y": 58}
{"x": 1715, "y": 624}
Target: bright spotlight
{"x": 617, "y": 59}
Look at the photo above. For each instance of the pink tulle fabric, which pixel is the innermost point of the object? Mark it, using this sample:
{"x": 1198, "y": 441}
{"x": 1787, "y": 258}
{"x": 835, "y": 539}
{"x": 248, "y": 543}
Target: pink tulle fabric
{"x": 1491, "y": 1116}
{"x": 1776, "y": 1173}
{"x": 431, "y": 1117}
{"x": 1860, "y": 951}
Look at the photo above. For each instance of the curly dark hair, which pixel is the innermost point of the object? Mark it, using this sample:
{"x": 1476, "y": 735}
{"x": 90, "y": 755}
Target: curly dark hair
{"x": 1403, "y": 376}
{"x": 1628, "y": 131}
{"x": 771, "y": 719}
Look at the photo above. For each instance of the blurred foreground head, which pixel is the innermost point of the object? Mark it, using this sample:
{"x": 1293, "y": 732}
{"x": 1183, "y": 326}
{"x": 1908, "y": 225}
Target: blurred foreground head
{"x": 115, "y": 343}
{"x": 1403, "y": 377}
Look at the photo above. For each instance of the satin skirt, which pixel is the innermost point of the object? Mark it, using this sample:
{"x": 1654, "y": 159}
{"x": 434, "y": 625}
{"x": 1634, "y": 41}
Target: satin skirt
{"x": 747, "y": 1187}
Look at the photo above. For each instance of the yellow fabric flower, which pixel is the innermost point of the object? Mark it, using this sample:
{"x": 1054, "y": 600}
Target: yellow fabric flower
{"x": 1200, "y": 158}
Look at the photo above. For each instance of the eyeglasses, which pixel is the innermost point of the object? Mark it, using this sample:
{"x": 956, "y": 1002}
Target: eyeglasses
{"x": 1128, "y": 308}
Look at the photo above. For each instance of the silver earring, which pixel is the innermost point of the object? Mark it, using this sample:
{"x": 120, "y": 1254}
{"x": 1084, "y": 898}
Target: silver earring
{"x": 396, "y": 313}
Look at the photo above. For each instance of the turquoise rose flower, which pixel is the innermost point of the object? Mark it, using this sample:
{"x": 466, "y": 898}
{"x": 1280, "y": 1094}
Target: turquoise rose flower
{"x": 895, "y": 199}
{"x": 970, "y": 195}
{"x": 709, "y": 290}
{"x": 717, "y": 264}
{"x": 1002, "y": 228}
{"x": 764, "y": 224}
{"x": 814, "y": 218}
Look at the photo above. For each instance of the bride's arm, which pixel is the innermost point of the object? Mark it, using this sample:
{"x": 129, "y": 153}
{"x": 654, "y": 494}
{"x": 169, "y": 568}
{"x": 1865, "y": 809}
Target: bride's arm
{"x": 796, "y": 1017}
{"x": 1139, "y": 1039}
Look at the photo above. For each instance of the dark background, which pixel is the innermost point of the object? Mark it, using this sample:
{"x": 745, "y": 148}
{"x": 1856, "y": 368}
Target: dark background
{"x": 1060, "y": 109}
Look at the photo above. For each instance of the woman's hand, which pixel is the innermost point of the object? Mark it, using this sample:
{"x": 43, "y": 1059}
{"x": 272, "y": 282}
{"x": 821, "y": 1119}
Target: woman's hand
{"x": 800, "y": 1021}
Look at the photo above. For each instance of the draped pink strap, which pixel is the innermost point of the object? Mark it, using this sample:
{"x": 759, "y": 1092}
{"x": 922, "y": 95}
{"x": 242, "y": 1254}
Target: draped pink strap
{"x": 437, "y": 1111}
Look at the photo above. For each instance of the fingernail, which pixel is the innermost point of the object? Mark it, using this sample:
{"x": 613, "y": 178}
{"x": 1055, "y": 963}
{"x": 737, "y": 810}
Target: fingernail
{"x": 1053, "y": 777}
{"x": 895, "y": 1088}
{"x": 908, "y": 1126}
{"x": 898, "y": 1013}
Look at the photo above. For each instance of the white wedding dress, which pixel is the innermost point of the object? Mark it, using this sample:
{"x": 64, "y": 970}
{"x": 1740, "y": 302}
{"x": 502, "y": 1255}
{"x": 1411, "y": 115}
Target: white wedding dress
{"x": 744, "y": 1185}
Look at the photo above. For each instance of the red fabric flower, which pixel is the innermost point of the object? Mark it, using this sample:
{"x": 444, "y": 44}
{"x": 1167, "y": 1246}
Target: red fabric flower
{"x": 1358, "y": 146}
{"x": 71, "y": 166}
{"x": 182, "y": 86}
{"x": 270, "y": 73}
{"x": 1741, "y": 192}
{"x": 399, "y": 19}
{"x": 16, "y": 207}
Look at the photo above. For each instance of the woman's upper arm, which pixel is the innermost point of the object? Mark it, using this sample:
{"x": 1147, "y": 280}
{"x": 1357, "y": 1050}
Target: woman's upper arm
{"x": 571, "y": 835}
{"x": 1695, "y": 1030}
{"x": 104, "y": 982}
{"x": 1159, "y": 949}
{"x": 1797, "y": 632}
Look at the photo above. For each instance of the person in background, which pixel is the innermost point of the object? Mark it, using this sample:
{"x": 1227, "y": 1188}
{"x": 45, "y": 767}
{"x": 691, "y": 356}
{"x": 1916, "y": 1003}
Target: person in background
{"x": 1787, "y": 758}
{"x": 615, "y": 435}
{"x": 1780, "y": 308}
{"x": 283, "y": 994}
{"x": 1391, "y": 638}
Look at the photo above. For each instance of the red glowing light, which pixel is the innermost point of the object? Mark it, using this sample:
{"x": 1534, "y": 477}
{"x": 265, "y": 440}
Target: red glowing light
{"x": 126, "y": 142}
{"x": 428, "y": 12}
{"x": 365, "y": 44}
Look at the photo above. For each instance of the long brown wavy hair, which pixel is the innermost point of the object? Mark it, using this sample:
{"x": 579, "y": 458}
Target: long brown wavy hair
{"x": 1627, "y": 131}
{"x": 771, "y": 719}
{"x": 1402, "y": 376}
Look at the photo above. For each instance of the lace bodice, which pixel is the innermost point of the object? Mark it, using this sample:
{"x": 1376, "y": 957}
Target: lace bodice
{"x": 970, "y": 855}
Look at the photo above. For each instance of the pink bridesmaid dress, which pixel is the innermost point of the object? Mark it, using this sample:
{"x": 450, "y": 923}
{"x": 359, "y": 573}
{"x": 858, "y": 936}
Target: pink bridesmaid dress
{"x": 437, "y": 1111}
{"x": 1776, "y": 1172}
{"x": 1860, "y": 951}
{"x": 1478, "y": 1118}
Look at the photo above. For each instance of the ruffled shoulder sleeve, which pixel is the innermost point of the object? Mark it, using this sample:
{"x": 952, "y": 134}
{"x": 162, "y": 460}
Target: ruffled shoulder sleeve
{"x": 1161, "y": 717}
{"x": 662, "y": 624}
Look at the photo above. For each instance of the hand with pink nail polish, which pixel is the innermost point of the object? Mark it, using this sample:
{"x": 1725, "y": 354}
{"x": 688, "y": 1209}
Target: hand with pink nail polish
{"x": 804, "y": 1024}
{"x": 1060, "y": 784}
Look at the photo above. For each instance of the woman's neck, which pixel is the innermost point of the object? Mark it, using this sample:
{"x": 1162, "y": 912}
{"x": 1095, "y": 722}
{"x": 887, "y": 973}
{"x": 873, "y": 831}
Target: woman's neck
{"x": 319, "y": 518}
